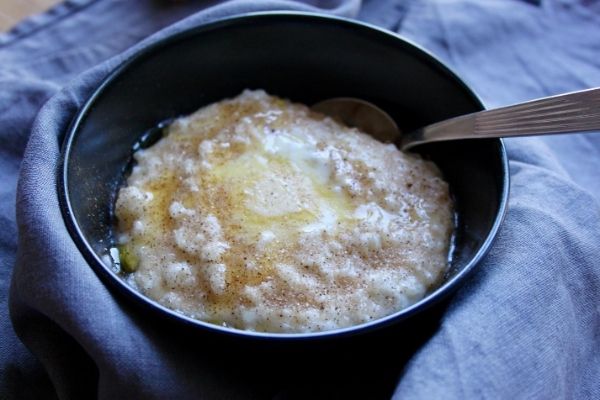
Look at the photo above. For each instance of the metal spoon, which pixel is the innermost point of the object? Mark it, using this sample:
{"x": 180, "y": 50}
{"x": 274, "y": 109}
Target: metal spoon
{"x": 566, "y": 113}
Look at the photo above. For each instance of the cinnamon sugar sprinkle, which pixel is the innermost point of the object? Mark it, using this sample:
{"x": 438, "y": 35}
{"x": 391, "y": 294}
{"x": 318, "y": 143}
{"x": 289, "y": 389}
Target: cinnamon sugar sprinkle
{"x": 259, "y": 214}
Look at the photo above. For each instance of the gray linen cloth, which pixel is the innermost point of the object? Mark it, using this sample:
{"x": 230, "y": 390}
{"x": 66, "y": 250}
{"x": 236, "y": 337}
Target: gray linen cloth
{"x": 527, "y": 325}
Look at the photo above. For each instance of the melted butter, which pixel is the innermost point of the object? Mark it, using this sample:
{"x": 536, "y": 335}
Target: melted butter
{"x": 266, "y": 196}
{"x": 282, "y": 186}
{"x": 264, "y": 193}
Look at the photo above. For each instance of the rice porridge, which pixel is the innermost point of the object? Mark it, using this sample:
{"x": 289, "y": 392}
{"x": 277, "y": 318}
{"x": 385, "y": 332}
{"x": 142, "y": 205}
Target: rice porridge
{"x": 259, "y": 214}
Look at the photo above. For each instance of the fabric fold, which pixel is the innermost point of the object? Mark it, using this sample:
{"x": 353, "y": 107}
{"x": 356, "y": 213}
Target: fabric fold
{"x": 55, "y": 296}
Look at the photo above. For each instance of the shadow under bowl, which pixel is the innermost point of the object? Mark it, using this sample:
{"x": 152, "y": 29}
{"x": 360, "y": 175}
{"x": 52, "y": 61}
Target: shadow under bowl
{"x": 305, "y": 58}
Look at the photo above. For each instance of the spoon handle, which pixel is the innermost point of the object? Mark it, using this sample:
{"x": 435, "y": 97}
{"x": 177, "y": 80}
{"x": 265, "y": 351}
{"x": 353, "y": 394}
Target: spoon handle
{"x": 571, "y": 112}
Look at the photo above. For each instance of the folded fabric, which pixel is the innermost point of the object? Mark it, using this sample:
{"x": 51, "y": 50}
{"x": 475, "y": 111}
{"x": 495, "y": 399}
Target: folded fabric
{"x": 527, "y": 325}
{"x": 37, "y": 59}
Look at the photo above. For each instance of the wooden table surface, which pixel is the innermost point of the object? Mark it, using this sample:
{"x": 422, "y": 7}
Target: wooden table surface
{"x": 13, "y": 11}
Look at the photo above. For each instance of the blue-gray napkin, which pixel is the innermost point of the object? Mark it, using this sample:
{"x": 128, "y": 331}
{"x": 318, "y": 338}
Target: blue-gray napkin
{"x": 51, "y": 281}
{"x": 527, "y": 325}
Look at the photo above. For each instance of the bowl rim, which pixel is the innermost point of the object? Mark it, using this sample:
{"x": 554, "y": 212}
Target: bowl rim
{"x": 114, "y": 280}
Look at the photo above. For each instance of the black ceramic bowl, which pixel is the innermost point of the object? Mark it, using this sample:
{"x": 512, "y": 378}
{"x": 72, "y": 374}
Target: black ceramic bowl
{"x": 303, "y": 57}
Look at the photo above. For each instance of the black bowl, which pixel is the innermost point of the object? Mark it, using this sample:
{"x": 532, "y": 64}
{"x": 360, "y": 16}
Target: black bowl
{"x": 300, "y": 56}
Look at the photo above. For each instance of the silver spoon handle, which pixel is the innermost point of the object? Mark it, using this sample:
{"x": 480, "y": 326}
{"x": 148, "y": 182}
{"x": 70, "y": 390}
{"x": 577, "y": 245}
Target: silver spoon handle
{"x": 571, "y": 112}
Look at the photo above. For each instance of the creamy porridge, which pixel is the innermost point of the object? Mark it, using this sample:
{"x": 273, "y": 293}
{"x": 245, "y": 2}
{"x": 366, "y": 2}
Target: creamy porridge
{"x": 258, "y": 214}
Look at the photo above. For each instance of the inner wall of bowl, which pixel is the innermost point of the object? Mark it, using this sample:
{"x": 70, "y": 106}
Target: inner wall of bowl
{"x": 296, "y": 57}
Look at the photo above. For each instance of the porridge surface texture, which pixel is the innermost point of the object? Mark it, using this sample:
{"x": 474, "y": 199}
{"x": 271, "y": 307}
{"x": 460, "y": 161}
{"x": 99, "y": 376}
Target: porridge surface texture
{"x": 259, "y": 214}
